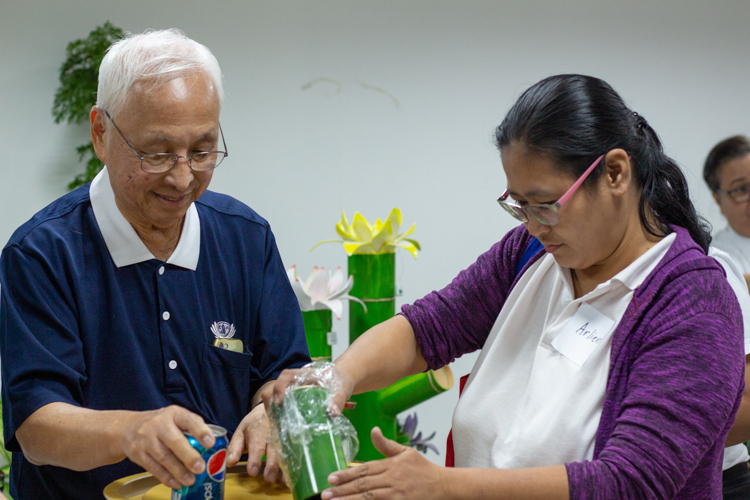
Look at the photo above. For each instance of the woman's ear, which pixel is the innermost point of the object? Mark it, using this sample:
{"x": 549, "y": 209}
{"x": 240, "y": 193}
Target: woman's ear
{"x": 618, "y": 171}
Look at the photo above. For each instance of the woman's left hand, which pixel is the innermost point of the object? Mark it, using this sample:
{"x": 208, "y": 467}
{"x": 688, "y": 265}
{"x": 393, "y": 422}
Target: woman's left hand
{"x": 403, "y": 474}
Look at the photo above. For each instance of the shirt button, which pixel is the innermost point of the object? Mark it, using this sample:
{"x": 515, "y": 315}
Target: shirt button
{"x": 172, "y": 364}
{"x": 161, "y": 270}
{"x": 165, "y": 315}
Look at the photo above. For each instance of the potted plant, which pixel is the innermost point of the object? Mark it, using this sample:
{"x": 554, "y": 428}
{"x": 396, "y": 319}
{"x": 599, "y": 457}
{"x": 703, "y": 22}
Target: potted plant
{"x": 79, "y": 77}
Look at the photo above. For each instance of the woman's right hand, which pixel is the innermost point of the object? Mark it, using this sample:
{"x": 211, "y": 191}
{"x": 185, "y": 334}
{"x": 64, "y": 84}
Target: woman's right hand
{"x": 306, "y": 375}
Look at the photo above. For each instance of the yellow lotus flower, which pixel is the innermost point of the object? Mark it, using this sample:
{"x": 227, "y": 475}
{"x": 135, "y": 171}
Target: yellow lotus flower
{"x": 361, "y": 237}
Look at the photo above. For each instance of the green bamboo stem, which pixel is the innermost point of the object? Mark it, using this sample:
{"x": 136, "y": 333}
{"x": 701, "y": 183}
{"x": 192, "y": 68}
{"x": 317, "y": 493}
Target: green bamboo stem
{"x": 410, "y": 391}
{"x": 317, "y": 325}
{"x": 375, "y": 284}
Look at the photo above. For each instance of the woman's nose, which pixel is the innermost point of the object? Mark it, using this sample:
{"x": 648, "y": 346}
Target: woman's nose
{"x": 535, "y": 227}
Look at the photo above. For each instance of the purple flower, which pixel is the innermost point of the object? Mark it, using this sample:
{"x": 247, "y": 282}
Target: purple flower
{"x": 409, "y": 428}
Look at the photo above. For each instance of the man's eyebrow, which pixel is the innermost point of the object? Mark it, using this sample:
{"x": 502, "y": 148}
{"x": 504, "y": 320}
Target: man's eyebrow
{"x": 156, "y": 138}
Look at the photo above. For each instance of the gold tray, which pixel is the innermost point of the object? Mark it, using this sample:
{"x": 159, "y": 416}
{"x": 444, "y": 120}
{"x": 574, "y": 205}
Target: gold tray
{"x": 238, "y": 486}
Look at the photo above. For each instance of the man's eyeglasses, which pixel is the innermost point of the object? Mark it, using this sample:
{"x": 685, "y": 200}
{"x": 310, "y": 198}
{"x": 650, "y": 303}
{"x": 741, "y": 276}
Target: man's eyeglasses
{"x": 158, "y": 163}
{"x": 545, "y": 213}
{"x": 740, "y": 194}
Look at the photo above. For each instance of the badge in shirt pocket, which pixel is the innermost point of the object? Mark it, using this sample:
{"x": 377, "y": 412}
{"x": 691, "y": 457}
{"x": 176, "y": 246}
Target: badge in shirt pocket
{"x": 582, "y": 334}
{"x": 224, "y": 332}
{"x": 230, "y": 344}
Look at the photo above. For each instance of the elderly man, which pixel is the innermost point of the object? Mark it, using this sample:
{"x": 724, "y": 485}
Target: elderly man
{"x": 114, "y": 296}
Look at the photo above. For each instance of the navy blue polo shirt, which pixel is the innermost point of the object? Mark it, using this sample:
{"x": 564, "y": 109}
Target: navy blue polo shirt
{"x": 96, "y": 321}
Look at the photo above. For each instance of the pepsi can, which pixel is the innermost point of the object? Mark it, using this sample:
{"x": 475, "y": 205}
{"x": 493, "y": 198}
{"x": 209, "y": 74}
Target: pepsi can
{"x": 209, "y": 485}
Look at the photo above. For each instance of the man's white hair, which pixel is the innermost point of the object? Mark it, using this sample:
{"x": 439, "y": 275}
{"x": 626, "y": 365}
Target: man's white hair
{"x": 152, "y": 55}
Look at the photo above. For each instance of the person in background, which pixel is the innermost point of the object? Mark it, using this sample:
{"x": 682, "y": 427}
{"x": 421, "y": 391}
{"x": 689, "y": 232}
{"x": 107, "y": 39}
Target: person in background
{"x": 736, "y": 474}
{"x": 727, "y": 174}
{"x": 117, "y": 297}
{"x": 611, "y": 362}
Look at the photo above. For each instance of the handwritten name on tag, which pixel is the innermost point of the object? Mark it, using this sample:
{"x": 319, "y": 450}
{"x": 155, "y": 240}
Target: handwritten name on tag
{"x": 582, "y": 334}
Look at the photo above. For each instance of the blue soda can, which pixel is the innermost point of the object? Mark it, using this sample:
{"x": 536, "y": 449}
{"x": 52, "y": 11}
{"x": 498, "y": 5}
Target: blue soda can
{"x": 208, "y": 485}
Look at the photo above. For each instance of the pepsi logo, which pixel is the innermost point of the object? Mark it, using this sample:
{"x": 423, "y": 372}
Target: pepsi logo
{"x": 216, "y": 465}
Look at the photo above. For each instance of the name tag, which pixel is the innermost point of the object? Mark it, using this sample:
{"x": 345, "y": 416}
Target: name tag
{"x": 582, "y": 334}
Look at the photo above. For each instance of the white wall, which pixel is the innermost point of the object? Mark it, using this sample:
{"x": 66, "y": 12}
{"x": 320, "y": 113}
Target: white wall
{"x": 448, "y": 71}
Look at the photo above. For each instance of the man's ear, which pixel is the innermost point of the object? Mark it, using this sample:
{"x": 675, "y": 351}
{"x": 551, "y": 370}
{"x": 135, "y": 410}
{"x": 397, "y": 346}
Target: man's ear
{"x": 618, "y": 171}
{"x": 99, "y": 133}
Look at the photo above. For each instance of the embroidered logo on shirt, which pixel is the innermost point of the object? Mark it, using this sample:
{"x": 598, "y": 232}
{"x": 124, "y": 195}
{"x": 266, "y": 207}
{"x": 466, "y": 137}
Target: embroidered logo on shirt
{"x": 222, "y": 330}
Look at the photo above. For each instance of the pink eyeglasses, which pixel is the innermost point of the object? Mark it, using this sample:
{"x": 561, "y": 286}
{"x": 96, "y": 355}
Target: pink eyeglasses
{"x": 545, "y": 213}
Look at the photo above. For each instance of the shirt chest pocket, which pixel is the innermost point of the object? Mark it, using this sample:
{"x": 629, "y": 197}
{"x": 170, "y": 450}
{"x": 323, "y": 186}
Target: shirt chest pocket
{"x": 228, "y": 379}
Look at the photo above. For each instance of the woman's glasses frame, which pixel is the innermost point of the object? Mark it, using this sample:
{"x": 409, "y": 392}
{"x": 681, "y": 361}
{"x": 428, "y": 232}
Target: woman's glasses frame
{"x": 545, "y": 213}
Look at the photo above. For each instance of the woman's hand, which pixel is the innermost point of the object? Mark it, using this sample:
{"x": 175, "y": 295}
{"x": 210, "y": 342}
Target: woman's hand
{"x": 312, "y": 376}
{"x": 403, "y": 474}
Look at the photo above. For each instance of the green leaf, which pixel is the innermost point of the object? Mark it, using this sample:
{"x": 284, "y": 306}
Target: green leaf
{"x": 79, "y": 78}
{"x": 414, "y": 242}
{"x": 5, "y": 453}
{"x": 407, "y": 246}
{"x": 324, "y": 241}
{"x": 79, "y": 74}
{"x": 93, "y": 166}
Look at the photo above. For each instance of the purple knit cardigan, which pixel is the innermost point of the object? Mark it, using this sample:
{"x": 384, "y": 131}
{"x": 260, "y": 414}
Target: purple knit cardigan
{"x": 675, "y": 378}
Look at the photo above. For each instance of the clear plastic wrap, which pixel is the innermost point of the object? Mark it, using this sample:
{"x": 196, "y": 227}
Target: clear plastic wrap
{"x": 309, "y": 442}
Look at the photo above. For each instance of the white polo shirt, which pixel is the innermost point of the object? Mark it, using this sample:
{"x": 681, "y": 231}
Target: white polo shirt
{"x": 736, "y": 454}
{"x": 736, "y": 245}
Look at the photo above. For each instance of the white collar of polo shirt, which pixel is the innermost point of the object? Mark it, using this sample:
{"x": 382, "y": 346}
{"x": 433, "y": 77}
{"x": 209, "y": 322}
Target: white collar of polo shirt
{"x": 632, "y": 276}
{"x": 124, "y": 245}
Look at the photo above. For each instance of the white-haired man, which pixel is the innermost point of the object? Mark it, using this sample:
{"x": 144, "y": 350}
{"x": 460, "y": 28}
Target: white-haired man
{"x": 113, "y": 296}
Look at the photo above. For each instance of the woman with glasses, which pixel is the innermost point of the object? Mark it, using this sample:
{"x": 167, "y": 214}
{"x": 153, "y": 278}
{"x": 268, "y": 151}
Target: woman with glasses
{"x": 611, "y": 362}
{"x": 727, "y": 174}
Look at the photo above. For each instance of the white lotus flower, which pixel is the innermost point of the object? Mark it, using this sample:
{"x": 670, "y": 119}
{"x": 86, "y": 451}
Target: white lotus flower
{"x": 322, "y": 290}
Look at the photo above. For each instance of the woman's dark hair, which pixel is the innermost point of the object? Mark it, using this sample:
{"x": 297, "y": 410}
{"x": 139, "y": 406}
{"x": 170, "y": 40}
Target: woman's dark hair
{"x": 573, "y": 119}
{"x": 727, "y": 150}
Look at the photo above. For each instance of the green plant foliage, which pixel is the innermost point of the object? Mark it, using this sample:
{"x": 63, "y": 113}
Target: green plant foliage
{"x": 80, "y": 72}
{"x": 93, "y": 166}
{"x": 79, "y": 76}
{"x": 6, "y": 455}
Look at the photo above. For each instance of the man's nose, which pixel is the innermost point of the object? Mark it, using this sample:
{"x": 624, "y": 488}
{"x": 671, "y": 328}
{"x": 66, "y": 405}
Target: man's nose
{"x": 180, "y": 175}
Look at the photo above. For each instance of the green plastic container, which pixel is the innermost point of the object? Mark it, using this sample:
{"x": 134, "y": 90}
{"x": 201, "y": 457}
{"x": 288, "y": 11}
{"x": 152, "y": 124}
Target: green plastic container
{"x": 317, "y": 326}
{"x": 311, "y": 448}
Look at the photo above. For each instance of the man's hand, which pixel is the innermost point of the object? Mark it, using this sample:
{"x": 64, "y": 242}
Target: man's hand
{"x": 155, "y": 441}
{"x": 251, "y": 437}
